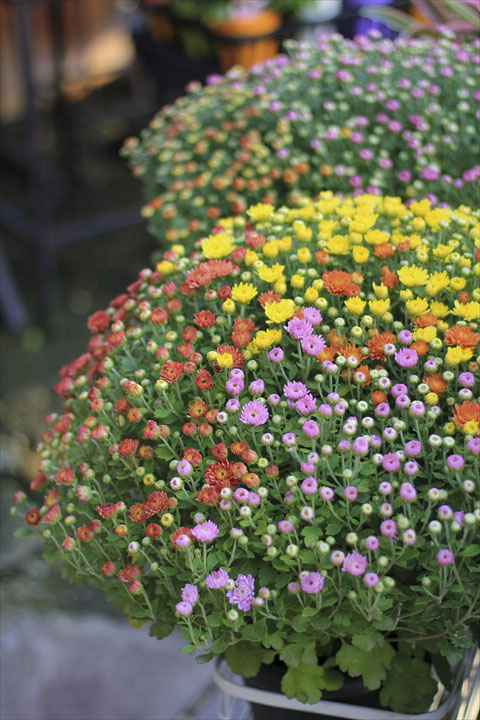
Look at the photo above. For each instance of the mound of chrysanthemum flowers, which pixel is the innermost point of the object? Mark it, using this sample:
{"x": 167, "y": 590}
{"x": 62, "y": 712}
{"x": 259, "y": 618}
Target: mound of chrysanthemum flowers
{"x": 370, "y": 115}
{"x": 275, "y": 445}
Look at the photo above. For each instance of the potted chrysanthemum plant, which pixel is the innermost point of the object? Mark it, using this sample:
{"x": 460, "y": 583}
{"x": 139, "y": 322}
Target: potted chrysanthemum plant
{"x": 274, "y": 446}
{"x": 368, "y": 115}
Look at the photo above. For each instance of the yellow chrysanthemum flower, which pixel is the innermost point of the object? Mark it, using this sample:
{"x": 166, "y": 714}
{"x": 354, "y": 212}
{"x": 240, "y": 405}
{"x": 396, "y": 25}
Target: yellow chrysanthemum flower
{"x": 417, "y": 307}
{"x": 362, "y": 222}
{"x": 379, "y": 307}
{"x": 412, "y": 276}
{"x": 406, "y": 295}
{"x": 260, "y": 212}
{"x": 381, "y": 291}
{"x": 433, "y": 218}
{"x": 297, "y": 281}
{"x": 303, "y": 233}
{"x": 224, "y": 360}
{"x": 284, "y": 244}
{"x": 467, "y": 311}
{"x": 279, "y": 312}
{"x": 355, "y": 305}
{"x": 456, "y": 355}
{"x": 420, "y": 208}
{"x": 339, "y": 245}
{"x": 228, "y": 306}
{"x": 304, "y": 255}
{"x": 270, "y": 274}
{"x": 360, "y": 254}
{"x": 441, "y": 252}
{"x": 165, "y": 267}
{"x": 457, "y": 283}
{"x": 250, "y": 257}
{"x": 270, "y": 249}
{"x": 310, "y": 295}
{"x": 325, "y": 228}
{"x": 427, "y": 334}
{"x": 437, "y": 282}
{"x": 376, "y": 237}
{"x": 431, "y": 398}
{"x": 244, "y": 292}
{"x": 471, "y": 428}
{"x": 266, "y": 338}
{"x": 217, "y": 246}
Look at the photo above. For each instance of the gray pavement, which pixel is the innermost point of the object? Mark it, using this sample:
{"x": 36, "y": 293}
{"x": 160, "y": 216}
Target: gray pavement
{"x": 55, "y": 667}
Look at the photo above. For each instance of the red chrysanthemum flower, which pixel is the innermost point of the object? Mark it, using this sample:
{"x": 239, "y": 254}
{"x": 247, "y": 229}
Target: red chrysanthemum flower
{"x": 151, "y": 430}
{"x": 106, "y": 511}
{"x": 38, "y": 482}
{"x": 180, "y": 531}
{"x": 65, "y": 476}
{"x": 193, "y": 456}
{"x": 52, "y": 516}
{"x": 129, "y": 573}
{"x": 122, "y": 405}
{"x": 159, "y": 316}
{"x": 388, "y": 278}
{"x": 84, "y": 533}
{"x": 202, "y": 274}
{"x": 197, "y": 409}
{"x": 137, "y": 513}
{"x": 219, "y": 451}
{"x": 203, "y": 380}
{"x": 463, "y": 336}
{"x": 268, "y": 297}
{"x": 204, "y": 319}
{"x": 98, "y": 322}
{"x": 238, "y": 448}
{"x": 32, "y": 516}
{"x": 128, "y": 447}
{"x": 208, "y": 496}
{"x": 171, "y": 371}
{"x": 189, "y": 334}
{"x": 219, "y": 474}
{"x": 156, "y": 502}
{"x": 241, "y": 338}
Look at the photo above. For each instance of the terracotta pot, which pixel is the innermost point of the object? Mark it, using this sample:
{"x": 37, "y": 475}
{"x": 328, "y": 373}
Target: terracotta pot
{"x": 246, "y": 40}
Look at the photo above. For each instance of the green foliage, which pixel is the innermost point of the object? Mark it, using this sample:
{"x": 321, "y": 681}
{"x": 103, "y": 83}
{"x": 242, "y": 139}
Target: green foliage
{"x": 245, "y": 658}
{"x": 408, "y": 686}
{"x": 371, "y": 664}
{"x": 304, "y": 682}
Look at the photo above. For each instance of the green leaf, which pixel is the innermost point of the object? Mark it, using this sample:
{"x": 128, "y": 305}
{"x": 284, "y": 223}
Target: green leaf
{"x": 213, "y": 621}
{"x": 244, "y": 658}
{"x": 22, "y": 532}
{"x": 470, "y": 551}
{"x": 164, "y": 453}
{"x": 408, "y": 687}
{"x": 255, "y": 632}
{"x": 309, "y": 612}
{"x": 372, "y": 666}
{"x": 302, "y": 651}
{"x": 50, "y": 556}
{"x": 463, "y": 11}
{"x": 333, "y": 680}
{"x": 311, "y": 535}
{"x": 368, "y": 641}
{"x": 205, "y": 658}
{"x": 161, "y": 629}
{"x": 299, "y": 623}
{"x": 274, "y": 641}
{"x": 304, "y": 683}
{"x": 186, "y": 649}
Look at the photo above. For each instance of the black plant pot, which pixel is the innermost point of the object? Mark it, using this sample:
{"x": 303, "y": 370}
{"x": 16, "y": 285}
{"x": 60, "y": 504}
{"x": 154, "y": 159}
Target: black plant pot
{"x": 269, "y": 678}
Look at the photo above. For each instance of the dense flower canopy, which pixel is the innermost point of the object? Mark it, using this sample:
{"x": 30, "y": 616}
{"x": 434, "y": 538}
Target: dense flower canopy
{"x": 369, "y": 115}
{"x": 273, "y": 447}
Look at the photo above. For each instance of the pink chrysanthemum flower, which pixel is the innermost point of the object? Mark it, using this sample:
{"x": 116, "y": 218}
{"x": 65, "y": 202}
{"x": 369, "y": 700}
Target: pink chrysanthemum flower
{"x": 298, "y": 328}
{"x": 217, "y": 580}
{"x": 206, "y": 531}
{"x": 312, "y": 583}
{"x": 242, "y": 594}
{"x": 254, "y": 413}
{"x": 354, "y": 564}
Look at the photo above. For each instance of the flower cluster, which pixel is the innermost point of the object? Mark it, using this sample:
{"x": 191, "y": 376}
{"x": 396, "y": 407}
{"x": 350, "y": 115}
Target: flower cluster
{"x": 368, "y": 115}
{"x": 275, "y": 444}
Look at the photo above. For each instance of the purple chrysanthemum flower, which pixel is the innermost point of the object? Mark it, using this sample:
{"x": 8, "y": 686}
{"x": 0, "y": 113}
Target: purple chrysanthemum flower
{"x": 312, "y": 315}
{"x": 473, "y": 446}
{"x": 289, "y": 439}
{"x": 406, "y": 358}
{"x": 405, "y": 337}
{"x": 466, "y": 379}
{"x": 309, "y": 485}
{"x": 190, "y": 594}
{"x": 382, "y": 409}
{"x": 232, "y": 405}
{"x": 407, "y": 492}
{"x": 241, "y": 495}
{"x": 293, "y": 587}
{"x": 417, "y": 409}
{"x": 413, "y": 448}
{"x": 184, "y": 468}
{"x": 455, "y": 462}
{"x": 313, "y": 345}
{"x": 411, "y": 468}
{"x": 285, "y": 526}
{"x": 354, "y": 564}
{"x": 217, "y": 580}
{"x": 254, "y": 413}
{"x": 311, "y": 429}
{"x": 390, "y": 462}
{"x": 360, "y": 445}
{"x": 445, "y": 557}
{"x": 399, "y": 389}
{"x": 326, "y": 493}
{"x": 256, "y": 387}
{"x": 337, "y": 557}
{"x": 234, "y": 386}
{"x": 386, "y": 510}
{"x": 370, "y": 579}
{"x": 242, "y": 594}
{"x": 276, "y": 355}
{"x": 371, "y": 543}
{"x": 325, "y": 410}
{"x": 298, "y": 328}
{"x": 294, "y": 390}
{"x": 274, "y": 399}
{"x": 385, "y": 488}
{"x": 206, "y": 531}
{"x": 388, "y": 528}
{"x": 312, "y": 583}
{"x": 350, "y": 493}
{"x": 184, "y": 608}
{"x": 306, "y": 404}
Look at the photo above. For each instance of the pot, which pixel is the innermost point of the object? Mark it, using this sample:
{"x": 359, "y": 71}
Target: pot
{"x": 246, "y": 39}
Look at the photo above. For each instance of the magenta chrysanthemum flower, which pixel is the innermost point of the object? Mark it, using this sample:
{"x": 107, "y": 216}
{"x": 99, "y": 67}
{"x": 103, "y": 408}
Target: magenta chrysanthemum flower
{"x": 313, "y": 345}
{"x": 326, "y": 493}
{"x": 388, "y": 528}
{"x": 455, "y": 462}
{"x": 360, "y": 445}
{"x": 337, "y": 557}
{"x": 217, "y": 580}
{"x": 466, "y": 379}
{"x": 473, "y": 446}
{"x": 408, "y": 492}
{"x": 312, "y": 315}
{"x": 285, "y": 526}
{"x": 206, "y": 531}
{"x": 406, "y": 358}
{"x": 275, "y": 355}
{"x": 311, "y": 429}
{"x": 256, "y": 387}
{"x": 234, "y": 387}
{"x": 243, "y": 593}
{"x": 445, "y": 557}
{"x": 413, "y": 448}
{"x": 306, "y": 404}
{"x": 312, "y": 583}
{"x": 354, "y": 564}
{"x": 399, "y": 389}
{"x": 390, "y": 462}
{"x": 184, "y": 608}
{"x": 309, "y": 485}
{"x": 298, "y": 328}
{"x": 294, "y": 390}
{"x": 190, "y": 594}
{"x": 370, "y": 579}
{"x": 371, "y": 543}
{"x": 382, "y": 409}
{"x": 350, "y": 493}
{"x": 254, "y": 413}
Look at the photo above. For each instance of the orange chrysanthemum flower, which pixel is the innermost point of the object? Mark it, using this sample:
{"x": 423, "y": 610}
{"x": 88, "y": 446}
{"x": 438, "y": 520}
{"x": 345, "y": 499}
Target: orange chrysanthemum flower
{"x": 327, "y": 354}
{"x": 203, "y": 380}
{"x": 236, "y": 354}
{"x": 203, "y": 274}
{"x": 376, "y": 343}
{"x": 268, "y": 297}
{"x": 420, "y": 346}
{"x": 137, "y": 513}
{"x": 219, "y": 475}
{"x": 156, "y": 502}
{"x": 428, "y": 319}
{"x": 466, "y": 412}
{"x": 336, "y": 339}
{"x": 339, "y": 283}
{"x": 384, "y": 250}
{"x": 463, "y": 336}
{"x": 350, "y": 350}
{"x": 436, "y": 383}
{"x": 388, "y": 278}
{"x": 197, "y": 409}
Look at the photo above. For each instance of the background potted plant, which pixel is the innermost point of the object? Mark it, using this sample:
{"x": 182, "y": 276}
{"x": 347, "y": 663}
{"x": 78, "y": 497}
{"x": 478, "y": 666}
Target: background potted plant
{"x": 365, "y": 116}
{"x": 274, "y": 445}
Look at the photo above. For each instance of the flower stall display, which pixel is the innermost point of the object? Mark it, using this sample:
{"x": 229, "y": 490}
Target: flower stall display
{"x": 369, "y": 115}
{"x": 274, "y": 445}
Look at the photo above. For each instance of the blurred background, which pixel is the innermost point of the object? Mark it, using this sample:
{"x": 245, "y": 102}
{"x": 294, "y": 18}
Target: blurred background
{"x": 77, "y": 77}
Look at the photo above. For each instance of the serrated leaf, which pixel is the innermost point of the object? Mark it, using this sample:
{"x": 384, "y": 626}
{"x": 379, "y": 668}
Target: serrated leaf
{"x": 160, "y": 629}
{"x": 368, "y": 641}
{"x": 244, "y": 658}
{"x": 205, "y": 658}
{"x": 311, "y": 535}
{"x": 412, "y": 674}
{"x": 299, "y": 623}
{"x": 274, "y": 641}
{"x": 304, "y": 683}
{"x": 309, "y": 612}
{"x": 164, "y": 453}
{"x": 50, "y": 556}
